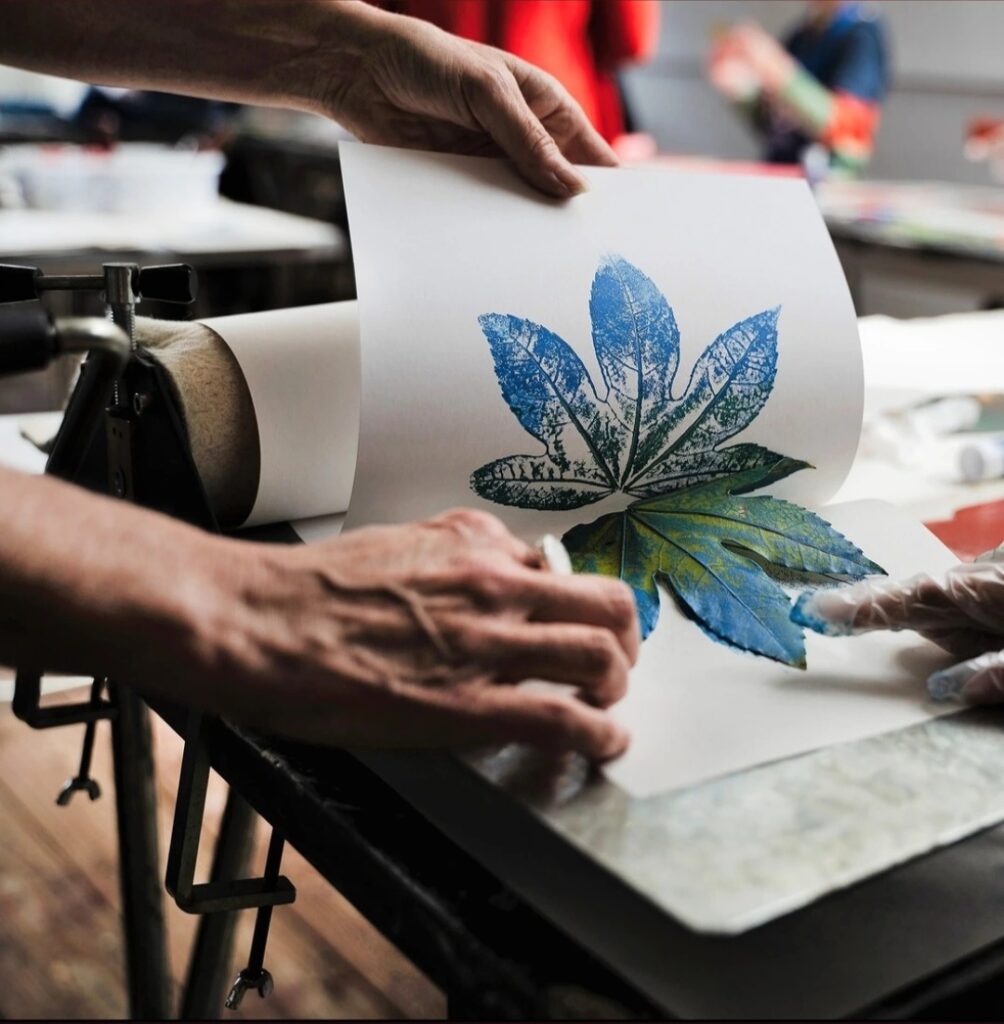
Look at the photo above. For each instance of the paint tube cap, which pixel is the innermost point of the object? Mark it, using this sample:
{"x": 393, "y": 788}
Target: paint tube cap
{"x": 982, "y": 460}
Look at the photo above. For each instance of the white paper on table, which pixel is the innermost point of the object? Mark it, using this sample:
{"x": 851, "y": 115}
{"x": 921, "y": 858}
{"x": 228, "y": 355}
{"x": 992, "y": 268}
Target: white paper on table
{"x": 960, "y": 353}
{"x": 439, "y": 240}
{"x": 302, "y": 370}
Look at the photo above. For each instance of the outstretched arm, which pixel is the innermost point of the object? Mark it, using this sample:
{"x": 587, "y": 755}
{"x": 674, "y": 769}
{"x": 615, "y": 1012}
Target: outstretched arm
{"x": 388, "y": 78}
{"x": 406, "y": 636}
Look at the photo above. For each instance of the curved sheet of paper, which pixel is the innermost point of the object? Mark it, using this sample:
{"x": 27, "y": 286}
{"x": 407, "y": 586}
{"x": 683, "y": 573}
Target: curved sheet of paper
{"x": 302, "y": 369}
{"x": 466, "y": 238}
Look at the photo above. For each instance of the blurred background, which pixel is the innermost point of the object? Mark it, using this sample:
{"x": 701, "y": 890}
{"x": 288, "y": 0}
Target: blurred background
{"x": 892, "y": 111}
{"x": 945, "y": 73}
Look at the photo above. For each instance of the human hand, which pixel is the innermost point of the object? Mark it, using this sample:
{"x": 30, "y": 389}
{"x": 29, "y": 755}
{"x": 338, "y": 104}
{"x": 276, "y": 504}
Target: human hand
{"x": 746, "y": 58}
{"x": 730, "y": 72}
{"x": 962, "y": 611}
{"x": 410, "y": 636}
{"x": 408, "y": 83}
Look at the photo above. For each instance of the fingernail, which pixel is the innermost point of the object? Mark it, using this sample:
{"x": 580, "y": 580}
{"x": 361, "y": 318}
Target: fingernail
{"x": 950, "y": 683}
{"x": 806, "y": 612}
{"x": 617, "y": 743}
{"x": 570, "y": 181}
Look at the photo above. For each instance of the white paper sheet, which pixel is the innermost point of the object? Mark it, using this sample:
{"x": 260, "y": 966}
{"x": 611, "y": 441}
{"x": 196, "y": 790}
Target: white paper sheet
{"x": 440, "y": 240}
{"x": 302, "y": 369}
{"x": 956, "y": 354}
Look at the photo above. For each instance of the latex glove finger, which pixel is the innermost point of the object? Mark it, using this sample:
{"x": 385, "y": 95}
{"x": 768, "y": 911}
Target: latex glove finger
{"x": 967, "y": 598}
{"x": 977, "y": 681}
{"x": 917, "y": 603}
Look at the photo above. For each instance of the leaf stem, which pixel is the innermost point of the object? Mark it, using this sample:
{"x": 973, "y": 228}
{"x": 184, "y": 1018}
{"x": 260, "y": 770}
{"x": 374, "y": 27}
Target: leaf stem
{"x": 639, "y": 369}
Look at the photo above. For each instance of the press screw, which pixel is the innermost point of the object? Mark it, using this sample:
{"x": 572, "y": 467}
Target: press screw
{"x": 260, "y": 980}
{"x": 82, "y": 781}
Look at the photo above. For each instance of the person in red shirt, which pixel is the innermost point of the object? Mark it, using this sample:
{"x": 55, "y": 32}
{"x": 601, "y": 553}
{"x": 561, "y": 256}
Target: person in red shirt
{"x": 581, "y": 42}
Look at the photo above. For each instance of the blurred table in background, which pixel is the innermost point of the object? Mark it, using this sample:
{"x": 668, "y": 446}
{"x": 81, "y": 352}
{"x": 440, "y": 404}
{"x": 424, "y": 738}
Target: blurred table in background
{"x": 926, "y": 235}
{"x": 248, "y": 258}
{"x": 908, "y": 248}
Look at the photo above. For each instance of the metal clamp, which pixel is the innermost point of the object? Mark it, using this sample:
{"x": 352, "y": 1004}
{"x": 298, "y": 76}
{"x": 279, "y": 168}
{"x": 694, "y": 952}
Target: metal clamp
{"x": 270, "y": 890}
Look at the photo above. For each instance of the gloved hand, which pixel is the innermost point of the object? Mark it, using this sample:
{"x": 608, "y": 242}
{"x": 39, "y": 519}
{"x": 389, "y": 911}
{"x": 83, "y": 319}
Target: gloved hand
{"x": 962, "y": 611}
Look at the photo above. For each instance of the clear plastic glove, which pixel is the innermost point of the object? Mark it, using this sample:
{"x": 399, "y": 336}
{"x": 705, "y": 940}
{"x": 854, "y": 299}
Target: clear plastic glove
{"x": 962, "y": 611}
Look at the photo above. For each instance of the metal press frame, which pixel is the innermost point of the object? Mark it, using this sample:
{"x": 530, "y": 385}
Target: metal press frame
{"x": 126, "y": 392}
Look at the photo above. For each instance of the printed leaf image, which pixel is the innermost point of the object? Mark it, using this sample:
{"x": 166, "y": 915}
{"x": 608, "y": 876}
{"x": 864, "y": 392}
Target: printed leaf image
{"x": 691, "y": 527}
{"x": 638, "y": 438}
{"x": 709, "y": 544}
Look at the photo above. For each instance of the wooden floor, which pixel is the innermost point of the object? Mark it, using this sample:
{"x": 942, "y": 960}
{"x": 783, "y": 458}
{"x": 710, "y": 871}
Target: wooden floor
{"x": 60, "y": 949}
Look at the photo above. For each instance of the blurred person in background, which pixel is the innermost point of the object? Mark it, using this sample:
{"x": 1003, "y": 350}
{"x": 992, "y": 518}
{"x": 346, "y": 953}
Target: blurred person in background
{"x": 582, "y": 43}
{"x": 821, "y": 91}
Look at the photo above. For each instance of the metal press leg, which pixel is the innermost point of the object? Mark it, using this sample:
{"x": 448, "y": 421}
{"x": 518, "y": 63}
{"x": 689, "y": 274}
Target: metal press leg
{"x": 209, "y": 969}
{"x": 139, "y": 868}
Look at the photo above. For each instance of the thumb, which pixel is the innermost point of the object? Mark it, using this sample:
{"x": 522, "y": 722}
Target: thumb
{"x": 500, "y": 107}
{"x": 977, "y": 681}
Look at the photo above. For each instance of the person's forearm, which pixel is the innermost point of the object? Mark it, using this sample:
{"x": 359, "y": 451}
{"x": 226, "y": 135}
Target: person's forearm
{"x": 843, "y": 122}
{"x": 385, "y": 637}
{"x": 269, "y": 52}
{"x": 92, "y": 585}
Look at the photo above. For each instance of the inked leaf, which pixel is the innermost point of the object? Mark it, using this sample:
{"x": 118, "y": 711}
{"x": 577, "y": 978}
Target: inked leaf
{"x": 693, "y": 541}
{"x": 637, "y": 345}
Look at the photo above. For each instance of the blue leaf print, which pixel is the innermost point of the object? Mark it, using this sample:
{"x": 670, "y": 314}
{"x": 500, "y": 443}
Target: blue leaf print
{"x": 550, "y": 392}
{"x": 637, "y": 345}
{"x": 636, "y": 438}
{"x": 729, "y": 385}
